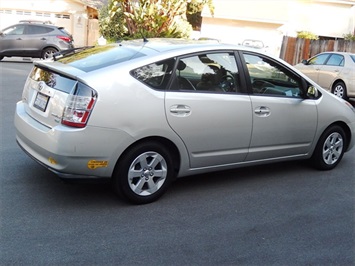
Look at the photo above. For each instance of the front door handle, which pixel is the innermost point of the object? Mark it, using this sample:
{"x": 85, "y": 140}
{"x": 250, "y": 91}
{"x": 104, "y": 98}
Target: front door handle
{"x": 262, "y": 111}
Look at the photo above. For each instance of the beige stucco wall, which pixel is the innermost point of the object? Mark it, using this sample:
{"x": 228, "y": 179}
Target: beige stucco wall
{"x": 236, "y": 20}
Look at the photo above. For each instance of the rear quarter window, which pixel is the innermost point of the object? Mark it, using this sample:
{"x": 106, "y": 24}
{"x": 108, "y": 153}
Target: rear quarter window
{"x": 156, "y": 75}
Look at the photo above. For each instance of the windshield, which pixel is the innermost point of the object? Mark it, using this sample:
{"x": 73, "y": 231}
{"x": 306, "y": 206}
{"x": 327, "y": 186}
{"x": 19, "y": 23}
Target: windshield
{"x": 100, "y": 56}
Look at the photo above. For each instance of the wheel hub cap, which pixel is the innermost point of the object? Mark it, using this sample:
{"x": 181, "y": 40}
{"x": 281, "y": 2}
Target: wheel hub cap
{"x": 332, "y": 148}
{"x": 147, "y": 173}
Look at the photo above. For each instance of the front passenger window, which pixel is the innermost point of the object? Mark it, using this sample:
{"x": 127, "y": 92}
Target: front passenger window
{"x": 268, "y": 78}
{"x": 16, "y": 30}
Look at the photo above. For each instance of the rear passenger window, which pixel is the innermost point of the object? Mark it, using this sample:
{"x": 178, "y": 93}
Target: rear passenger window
{"x": 156, "y": 75}
{"x": 335, "y": 60}
{"x": 211, "y": 72}
{"x": 33, "y": 29}
{"x": 268, "y": 78}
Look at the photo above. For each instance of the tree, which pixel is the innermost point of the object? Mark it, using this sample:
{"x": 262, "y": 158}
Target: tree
{"x": 111, "y": 23}
{"x": 349, "y": 37}
{"x": 307, "y": 35}
{"x": 151, "y": 18}
{"x": 194, "y": 10}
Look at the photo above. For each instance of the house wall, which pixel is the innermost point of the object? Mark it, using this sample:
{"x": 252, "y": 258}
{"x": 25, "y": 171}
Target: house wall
{"x": 236, "y": 20}
{"x": 236, "y": 31}
{"x": 72, "y": 15}
{"x": 323, "y": 18}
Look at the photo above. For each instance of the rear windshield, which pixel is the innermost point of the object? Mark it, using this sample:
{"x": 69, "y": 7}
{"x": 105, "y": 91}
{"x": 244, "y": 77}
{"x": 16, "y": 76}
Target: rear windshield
{"x": 52, "y": 79}
{"x": 64, "y": 31}
{"x": 101, "y": 56}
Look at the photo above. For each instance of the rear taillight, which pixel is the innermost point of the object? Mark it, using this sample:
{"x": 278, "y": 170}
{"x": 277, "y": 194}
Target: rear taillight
{"x": 79, "y": 106}
{"x": 64, "y": 38}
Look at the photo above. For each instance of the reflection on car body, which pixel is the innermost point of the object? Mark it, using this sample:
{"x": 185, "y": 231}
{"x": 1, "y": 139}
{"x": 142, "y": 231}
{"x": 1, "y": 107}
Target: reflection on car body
{"x": 144, "y": 113}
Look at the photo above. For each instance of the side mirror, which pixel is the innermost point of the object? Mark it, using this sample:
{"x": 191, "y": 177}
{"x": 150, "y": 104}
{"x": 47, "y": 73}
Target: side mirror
{"x": 304, "y": 61}
{"x": 312, "y": 92}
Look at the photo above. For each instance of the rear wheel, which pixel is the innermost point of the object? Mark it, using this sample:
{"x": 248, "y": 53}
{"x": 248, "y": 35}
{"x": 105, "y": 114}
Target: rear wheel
{"x": 339, "y": 89}
{"x": 144, "y": 173}
{"x": 48, "y": 52}
{"x": 330, "y": 148}
{"x": 1, "y": 58}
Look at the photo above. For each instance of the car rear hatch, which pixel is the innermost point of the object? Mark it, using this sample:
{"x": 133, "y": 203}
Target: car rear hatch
{"x": 67, "y": 37}
{"x": 54, "y": 97}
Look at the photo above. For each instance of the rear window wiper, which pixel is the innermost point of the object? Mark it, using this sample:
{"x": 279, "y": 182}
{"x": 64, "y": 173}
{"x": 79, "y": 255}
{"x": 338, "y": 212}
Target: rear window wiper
{"x": 67, "y": 52}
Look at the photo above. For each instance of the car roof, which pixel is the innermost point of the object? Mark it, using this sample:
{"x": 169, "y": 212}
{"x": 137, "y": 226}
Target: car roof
{"x": 162, "y": 45}
{"x": 336, "y": 52}
{"x": 138, "y": 52}
{"x": 36, "y": 24}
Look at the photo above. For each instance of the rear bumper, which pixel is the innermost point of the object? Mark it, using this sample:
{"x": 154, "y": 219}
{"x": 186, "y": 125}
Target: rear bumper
{"x": 90, "y": 152}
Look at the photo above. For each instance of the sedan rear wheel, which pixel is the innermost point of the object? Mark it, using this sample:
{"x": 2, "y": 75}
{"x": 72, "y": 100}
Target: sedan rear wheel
{"x": 144, "y": 173}
{"x": 330, "y": 148}
{"x": 339, "y": 89}
{"x": 48, "y": 52}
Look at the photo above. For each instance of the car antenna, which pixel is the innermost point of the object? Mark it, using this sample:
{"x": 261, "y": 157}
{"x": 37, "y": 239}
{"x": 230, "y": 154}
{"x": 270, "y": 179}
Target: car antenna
{"x": 144, "y": 38}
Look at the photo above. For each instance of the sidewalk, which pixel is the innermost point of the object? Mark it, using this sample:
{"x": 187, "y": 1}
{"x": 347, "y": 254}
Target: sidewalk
{"x": 19, "y": 59}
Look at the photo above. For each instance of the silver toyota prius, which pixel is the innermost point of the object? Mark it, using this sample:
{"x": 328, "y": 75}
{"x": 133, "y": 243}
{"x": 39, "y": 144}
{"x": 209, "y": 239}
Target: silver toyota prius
{"x": 146, "y": 112}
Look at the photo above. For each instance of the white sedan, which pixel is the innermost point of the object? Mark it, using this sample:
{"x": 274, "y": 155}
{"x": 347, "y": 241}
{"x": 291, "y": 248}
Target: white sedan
{"x": 146, "y": 112}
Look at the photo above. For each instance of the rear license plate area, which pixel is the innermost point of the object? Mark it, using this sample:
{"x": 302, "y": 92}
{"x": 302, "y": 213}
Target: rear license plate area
{"x": 41, "y": 101}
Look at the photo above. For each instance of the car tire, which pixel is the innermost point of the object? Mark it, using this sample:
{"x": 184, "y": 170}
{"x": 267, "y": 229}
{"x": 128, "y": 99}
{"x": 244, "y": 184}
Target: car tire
{"x": 144, "y": 173}
{"x": 339, "y": 89}
{"x": 48, "y": 52}
{"x": 330, "y": 148}
{"x": 1, "y": 58}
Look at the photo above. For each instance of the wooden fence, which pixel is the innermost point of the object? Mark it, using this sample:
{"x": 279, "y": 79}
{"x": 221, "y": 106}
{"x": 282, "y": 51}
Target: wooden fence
{"x": 293, "y": 50}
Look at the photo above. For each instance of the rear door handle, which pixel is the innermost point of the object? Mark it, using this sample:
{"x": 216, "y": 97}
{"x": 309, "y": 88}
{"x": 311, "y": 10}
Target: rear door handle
{"x": 180, "y": 110}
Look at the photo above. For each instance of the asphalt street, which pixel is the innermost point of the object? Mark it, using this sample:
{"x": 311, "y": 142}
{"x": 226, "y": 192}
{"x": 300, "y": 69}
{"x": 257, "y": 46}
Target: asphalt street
{"x": 279, "y": 214}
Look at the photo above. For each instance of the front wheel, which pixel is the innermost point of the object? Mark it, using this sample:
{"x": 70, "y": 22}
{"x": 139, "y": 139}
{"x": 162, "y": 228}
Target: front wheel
{"x": 339, "y": 89}
{"x": 144, "y": 173}
{"x": 330, "y": 148}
